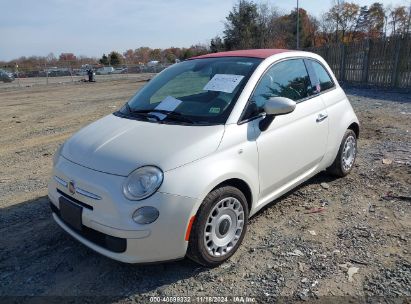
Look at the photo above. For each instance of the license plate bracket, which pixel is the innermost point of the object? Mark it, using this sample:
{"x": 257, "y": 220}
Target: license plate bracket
{"x": 71, "y": 213}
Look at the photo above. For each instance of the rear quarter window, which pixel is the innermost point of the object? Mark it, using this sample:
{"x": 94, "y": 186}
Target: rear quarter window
{"x": 324, "y": 79}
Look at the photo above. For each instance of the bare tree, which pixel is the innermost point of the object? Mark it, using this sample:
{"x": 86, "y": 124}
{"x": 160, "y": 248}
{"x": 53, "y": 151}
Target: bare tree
{"x": 268, "y": 29}
{"x": 399, "y": 20}
{"x": 327, "y": 28}
{"x": 345, "y": 16}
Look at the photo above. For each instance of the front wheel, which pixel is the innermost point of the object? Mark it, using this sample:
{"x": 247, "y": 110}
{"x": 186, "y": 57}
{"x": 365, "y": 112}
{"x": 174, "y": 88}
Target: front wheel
{"x": 219, "y": 227}
{"x": 344, "y": 162}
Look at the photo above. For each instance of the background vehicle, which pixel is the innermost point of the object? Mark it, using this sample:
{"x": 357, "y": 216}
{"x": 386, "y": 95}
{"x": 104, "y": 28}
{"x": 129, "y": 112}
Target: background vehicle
{"x": 6, "y": 76}
{"x": 119, "y": 71}
{"x": 105, "y": 70}
{"x": 58, "y": 72}
{"x": 153, "y": 63}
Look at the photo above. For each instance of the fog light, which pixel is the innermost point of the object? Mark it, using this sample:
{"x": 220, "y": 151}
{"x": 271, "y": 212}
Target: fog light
{"x": 145, "y": 215}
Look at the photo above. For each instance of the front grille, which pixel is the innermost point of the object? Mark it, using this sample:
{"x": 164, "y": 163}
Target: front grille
{"x": 74, "y": 200}
{"x": 111, "y": 243}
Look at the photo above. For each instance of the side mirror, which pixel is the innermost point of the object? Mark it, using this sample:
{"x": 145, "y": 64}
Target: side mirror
{"x": 276, "y": 106}
{"x": 279, "y": 106}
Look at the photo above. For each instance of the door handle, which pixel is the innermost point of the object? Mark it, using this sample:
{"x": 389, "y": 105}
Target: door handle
{"x": 321, "y": 117}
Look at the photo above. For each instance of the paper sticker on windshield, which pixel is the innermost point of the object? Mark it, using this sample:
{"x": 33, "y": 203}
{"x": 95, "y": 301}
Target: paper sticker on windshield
{"x": 214, "y": 110}
{"x": 223, "y": 83}
{"x": 168, "y": 104}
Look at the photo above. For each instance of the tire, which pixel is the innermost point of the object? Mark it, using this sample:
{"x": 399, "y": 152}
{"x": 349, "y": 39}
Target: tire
{"x": 222, "y": 218}
{"x": 343, "y": 163}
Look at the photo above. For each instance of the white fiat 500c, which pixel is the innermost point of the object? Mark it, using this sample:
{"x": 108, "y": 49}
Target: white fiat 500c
{"x": 204, "y": 145}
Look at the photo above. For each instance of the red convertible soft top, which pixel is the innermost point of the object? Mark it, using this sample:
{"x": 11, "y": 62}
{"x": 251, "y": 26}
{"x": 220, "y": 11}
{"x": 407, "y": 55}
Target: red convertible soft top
{"x": 257, "y": 53}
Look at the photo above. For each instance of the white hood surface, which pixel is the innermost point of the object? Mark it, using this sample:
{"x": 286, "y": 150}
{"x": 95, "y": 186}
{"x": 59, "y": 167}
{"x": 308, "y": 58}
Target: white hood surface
{"x": 118, "y": 145}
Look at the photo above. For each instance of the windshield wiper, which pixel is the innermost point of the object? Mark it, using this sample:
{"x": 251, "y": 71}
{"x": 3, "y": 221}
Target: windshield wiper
{"x": 170, "y": 115}
{"x": 144, "y": 113}
{"x": 175, "y": 116}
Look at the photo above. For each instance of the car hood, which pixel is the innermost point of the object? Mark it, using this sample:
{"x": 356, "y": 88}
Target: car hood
{"x": 118, "y": 145}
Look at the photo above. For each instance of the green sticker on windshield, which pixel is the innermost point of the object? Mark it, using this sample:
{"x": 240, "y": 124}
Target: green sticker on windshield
{"x": 214, "y": 110}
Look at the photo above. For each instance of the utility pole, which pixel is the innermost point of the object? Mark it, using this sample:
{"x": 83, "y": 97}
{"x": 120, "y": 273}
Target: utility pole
{"x": 385, "y": 26}
{"x": 409, "y": 19}
{"x": 298, "y": 27}
{"x": 338, "y": 19}
{"x": 16, "y": 70}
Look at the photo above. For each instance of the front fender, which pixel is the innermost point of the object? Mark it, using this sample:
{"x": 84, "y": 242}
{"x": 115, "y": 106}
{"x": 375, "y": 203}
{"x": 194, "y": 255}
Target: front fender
{"x": 198, "y": 178}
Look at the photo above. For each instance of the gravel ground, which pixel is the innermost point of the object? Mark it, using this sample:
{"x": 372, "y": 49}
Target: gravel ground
{"x": 40, "y": 81}
{"x": 357, "y": 249}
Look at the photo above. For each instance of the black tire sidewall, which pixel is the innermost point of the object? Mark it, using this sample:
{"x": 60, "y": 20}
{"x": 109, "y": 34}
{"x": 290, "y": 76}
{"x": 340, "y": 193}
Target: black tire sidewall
{"x": 347, "y": 134}
{"x": 196, "y": 244}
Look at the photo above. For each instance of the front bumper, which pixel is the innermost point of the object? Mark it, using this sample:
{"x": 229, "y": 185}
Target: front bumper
{"x": 108, "y": 221}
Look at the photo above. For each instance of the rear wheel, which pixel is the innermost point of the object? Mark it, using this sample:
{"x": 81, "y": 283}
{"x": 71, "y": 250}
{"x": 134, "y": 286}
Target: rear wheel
{"x": 344, "y": 162}
{"x": 219, "y": 228}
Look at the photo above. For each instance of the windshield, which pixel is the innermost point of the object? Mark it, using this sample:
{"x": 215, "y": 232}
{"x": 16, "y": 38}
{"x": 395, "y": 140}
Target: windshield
{"x": 199, "y": 91}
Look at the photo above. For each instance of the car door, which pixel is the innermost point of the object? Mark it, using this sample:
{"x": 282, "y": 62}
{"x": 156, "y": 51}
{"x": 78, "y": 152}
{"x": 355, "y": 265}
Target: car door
{"x": 294, "y": 144}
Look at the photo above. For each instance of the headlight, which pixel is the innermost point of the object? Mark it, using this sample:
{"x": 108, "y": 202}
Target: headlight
{"x": 57, "y": 154}
{"x": 142, "y": 182}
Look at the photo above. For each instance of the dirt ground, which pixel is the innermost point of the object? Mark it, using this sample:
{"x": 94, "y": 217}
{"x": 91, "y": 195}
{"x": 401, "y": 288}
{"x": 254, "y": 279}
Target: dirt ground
{"x": 36, "y": 81}
{"x": 288, "y": 254}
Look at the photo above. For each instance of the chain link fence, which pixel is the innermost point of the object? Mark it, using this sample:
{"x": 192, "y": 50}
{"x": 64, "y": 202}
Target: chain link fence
{"x": 69, "y": 72}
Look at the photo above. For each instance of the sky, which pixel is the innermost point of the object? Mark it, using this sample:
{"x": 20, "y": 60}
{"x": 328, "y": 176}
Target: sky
{"x": 94, "y": 27}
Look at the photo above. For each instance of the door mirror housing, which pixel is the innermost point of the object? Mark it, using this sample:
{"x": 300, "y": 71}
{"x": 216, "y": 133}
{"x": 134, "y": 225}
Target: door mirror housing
{"x": 276, "y": 106}
{"x": 279, "y": 106}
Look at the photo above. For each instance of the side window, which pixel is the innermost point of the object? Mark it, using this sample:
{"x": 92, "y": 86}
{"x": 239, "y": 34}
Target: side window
{"x": 323, "y": 77}
{"x": 286, "y": 79}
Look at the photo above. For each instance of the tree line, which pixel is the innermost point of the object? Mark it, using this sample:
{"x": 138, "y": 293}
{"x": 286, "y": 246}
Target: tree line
{"x": 139, "y": 56}
{"x": 251, "y": 25}
{"x": 258, "y": 25}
